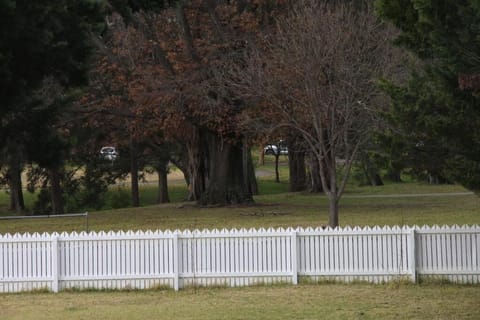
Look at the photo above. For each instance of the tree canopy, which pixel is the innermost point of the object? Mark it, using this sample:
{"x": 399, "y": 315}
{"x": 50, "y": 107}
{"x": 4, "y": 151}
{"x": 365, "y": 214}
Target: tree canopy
{"x": 438, "y": 108}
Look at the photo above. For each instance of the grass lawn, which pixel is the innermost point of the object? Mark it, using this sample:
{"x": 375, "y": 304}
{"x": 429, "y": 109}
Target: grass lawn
{"x": 281, "y": 210}
{"x": 274, "y": 207}
{"x": 305, "y": 301}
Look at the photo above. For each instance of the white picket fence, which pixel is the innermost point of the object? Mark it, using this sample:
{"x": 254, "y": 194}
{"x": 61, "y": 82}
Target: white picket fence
{"x": 236, "y": 257}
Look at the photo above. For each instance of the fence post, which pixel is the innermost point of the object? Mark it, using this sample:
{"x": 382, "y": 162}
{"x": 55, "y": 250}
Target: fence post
{"x": 412, "y": 255}
{"x": 176, "y": 267}
{"x": 55, "y": 261}
{"x": 294, "y": 257}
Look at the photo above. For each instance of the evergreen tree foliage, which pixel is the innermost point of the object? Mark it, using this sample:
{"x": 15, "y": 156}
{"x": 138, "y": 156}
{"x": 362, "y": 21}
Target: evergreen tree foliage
{"x": 45, "y": 47}
{"x": 437, "y": 115}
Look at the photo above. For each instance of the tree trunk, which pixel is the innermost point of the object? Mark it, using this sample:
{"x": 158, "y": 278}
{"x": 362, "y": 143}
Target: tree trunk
{"x": 14, "y": 175}
{"x": 226, "y": 176}
{"x": 162, "y": 196}
{"x": 333, "y": 210}
{"x": 56, "y": 190}
{"x": 296, "y": 165}
{"x": 277, "y": 173}
{"x": 252, "y": 179}
{"x": 134, "y": 175}
{"x": 314, "y": 174}
{"x": 196, "y": 166}
{"x": 261, "y": 156}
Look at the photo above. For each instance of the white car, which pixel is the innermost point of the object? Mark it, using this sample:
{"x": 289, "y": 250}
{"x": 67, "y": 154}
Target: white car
{"x": 272, "y": 149}
{"x": 109, "y": 153}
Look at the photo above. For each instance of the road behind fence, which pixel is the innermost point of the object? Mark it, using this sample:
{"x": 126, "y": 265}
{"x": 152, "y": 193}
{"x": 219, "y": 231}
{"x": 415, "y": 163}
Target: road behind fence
{"x": 121, "y": 260}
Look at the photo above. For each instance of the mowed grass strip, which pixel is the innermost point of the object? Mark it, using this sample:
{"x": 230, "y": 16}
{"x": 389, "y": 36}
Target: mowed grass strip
{"x": 306, "y": 301}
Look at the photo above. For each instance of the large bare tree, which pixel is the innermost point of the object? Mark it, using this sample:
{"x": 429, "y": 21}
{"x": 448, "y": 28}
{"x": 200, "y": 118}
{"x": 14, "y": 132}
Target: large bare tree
{"x": 316, "y": 75}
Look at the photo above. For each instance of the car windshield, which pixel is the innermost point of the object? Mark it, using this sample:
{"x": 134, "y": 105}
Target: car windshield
{"x": 108, "y": 150}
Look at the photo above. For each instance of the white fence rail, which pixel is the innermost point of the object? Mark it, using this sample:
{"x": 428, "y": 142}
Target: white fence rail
{"x": 236, "y": 257}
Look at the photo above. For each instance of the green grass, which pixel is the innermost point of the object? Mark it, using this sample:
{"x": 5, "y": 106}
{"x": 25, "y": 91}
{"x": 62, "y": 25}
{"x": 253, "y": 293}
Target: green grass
{"x": 275, "y": 210}
{"x": 274, "y": 207}
{"x": 305, "y": 301}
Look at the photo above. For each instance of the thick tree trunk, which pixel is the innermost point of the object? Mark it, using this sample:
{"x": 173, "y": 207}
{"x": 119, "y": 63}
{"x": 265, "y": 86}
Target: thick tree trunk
{"x": 134, "y": 175}
{"x": 196, "y": 166}
{"x": 14, "y": 177}
{"x": 314, "y": 175}
{"x": 162, "y": 196}
{"x": 14, "y": 174}
{"x": 56, "y": 190}
{"x": 252, "y": 179}
{"x": 226, "y": 176}
{"x": 296, "y": 165}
